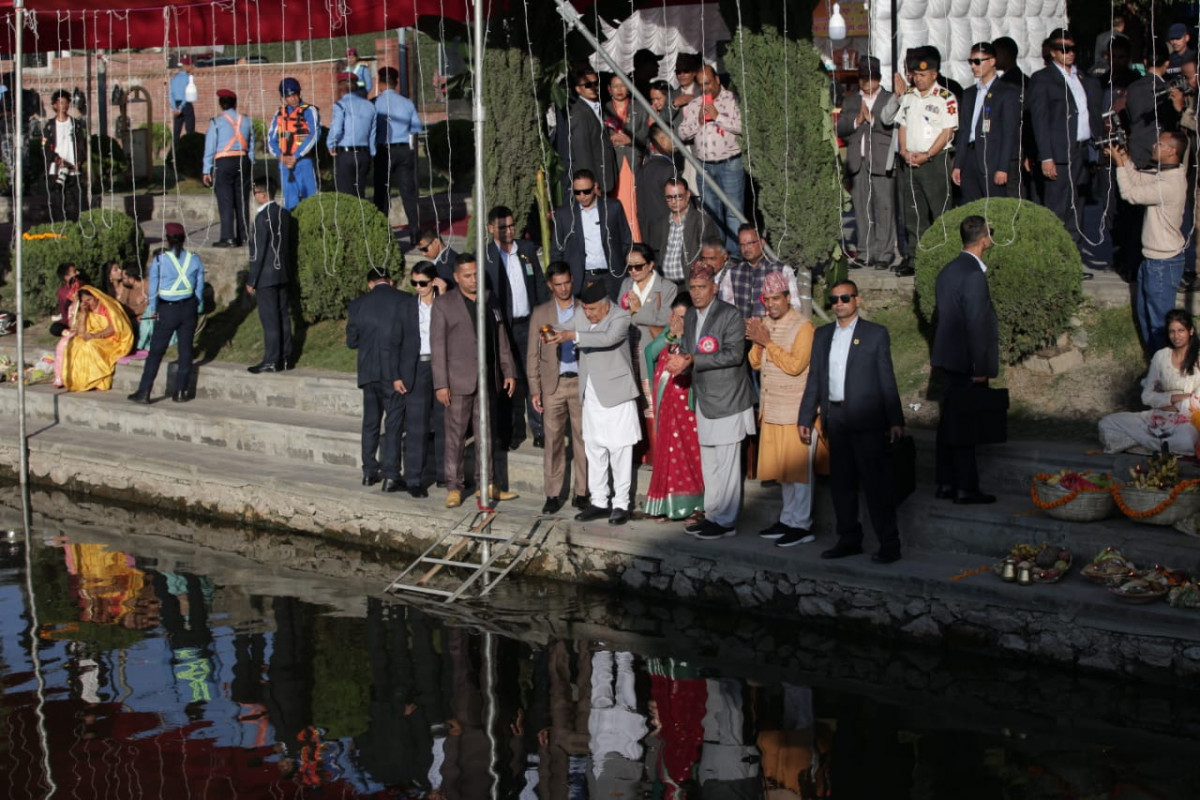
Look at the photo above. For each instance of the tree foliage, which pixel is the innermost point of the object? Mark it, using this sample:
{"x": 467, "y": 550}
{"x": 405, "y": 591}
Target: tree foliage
{"x": 512, "y": 132}
{"x": 339, "y": 238}
{"x": 788, "y": 142}
{"x": 1034, "y": 271}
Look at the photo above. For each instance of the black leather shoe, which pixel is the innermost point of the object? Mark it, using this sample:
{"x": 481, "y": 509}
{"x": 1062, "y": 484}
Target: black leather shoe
{"x": 263, "y": 367}
{"x": 372, "y": 479}
{"x": 842, "y": 551}
{"x": 539, "y": 442}
{"x": 141, "y": 398}
{"x": 974, "y": 499}
{"x": 590, "y": 513}
{"x": 619, "y": 516}
{"x": 225, "y": 243}
{"x": 180, "y": 396}
{"x": 553, "y": 504}
{"x": 886, "y": 558}
{"x": 905, "y": 271}
{"x": 944, "y": 493}
{"x": 580, "y": 501}
{"x": 392, "y": 485}
{"x": 418, "y": 491}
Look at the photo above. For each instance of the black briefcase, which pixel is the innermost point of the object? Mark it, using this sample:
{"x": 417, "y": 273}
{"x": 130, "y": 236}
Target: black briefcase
{"x": 974, "y": 415}
{"x": 902, "y": 468}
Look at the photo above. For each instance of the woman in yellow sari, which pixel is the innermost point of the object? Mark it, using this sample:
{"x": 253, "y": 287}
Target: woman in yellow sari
{"x": 99, "y": 336}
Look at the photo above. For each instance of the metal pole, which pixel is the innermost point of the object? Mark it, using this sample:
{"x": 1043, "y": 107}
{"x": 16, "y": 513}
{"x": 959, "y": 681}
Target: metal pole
{"x": 572, "y": 17}
{"x": 18, "y": 224}
{"x": 102, "y": 95}
{"x": 402, "y": 58}
{"x": 895, "y": 37}
{"x": 483, "y": 433}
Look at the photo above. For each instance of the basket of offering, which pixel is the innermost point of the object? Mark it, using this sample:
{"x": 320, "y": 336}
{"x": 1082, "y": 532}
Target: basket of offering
{"x": 1155, "y": 495}
{"x": 1186, "y": 595}
{"x": 1147, "y": 586}
{"x": 1031, "y": 563}
{"x": 1074, "y": 496}
{"x": 1108, "y": 568}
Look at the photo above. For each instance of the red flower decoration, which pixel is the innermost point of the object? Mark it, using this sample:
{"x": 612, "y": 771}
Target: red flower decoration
{"x": 625, "y": 301}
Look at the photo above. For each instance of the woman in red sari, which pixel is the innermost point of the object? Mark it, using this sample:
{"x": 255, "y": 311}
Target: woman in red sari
{"x": 676, "y": 484}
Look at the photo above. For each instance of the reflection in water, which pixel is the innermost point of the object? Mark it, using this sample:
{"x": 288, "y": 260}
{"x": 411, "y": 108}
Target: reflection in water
{"x": 164, "y": 682}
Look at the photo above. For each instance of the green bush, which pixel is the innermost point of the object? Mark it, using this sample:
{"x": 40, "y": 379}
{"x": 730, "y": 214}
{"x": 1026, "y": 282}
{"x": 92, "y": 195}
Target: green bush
{"x": 189, "y": 155}
{"x": 452, "y": 149}
{"x": 260, "y": 135}
{"x": 108, "y": 165}
{"x": 98, "y": 237}
{"x": 160, "y": 135}
{"x": 339, "y": 238}
{"x": 1034, "y": 271}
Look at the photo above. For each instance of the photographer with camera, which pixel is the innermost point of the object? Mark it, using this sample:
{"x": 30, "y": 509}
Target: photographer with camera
{"x": 63, "y": 141}
{"x": 1163, "y": 192}
{"x": 1151, "y": 106}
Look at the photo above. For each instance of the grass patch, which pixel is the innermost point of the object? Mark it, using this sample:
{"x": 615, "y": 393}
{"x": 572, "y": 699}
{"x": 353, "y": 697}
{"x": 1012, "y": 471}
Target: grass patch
{"x": 1111, "y": 332}
{"x": 910, "y": 349}
{"x": 235, "y": 334}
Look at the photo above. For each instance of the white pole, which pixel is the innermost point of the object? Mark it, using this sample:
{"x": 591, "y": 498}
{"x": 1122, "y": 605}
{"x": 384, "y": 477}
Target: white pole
{"x": 18, "y": 198}
{"x": 483, "y": 429}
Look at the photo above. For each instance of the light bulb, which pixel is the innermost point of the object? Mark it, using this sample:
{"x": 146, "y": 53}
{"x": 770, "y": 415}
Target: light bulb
{"x": 837, "y": 24}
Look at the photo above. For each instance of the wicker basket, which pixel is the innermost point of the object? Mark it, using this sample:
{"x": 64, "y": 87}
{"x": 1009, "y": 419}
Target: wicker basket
{"x": 1185, "y": 505}
{"x": 1088, "y": 506}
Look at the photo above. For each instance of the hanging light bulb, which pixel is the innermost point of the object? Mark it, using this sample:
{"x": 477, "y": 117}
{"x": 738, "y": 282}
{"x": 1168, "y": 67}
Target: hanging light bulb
{"x": 837, "y": 24}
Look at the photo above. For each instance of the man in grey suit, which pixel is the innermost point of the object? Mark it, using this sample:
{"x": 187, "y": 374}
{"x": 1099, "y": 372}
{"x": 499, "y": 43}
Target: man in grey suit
{"x": 268, "y": 281}
{"x": 713, "y": 348}
{"x": 872, "y": 180}
{"x": 609, "y": 391}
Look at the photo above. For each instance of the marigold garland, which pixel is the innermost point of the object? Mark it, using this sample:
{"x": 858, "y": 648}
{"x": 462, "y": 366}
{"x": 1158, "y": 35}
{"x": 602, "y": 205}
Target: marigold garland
{"x": 1062, "y": 501}
{"x": 1180, "y": 487}
{"x": 33, "y": 237}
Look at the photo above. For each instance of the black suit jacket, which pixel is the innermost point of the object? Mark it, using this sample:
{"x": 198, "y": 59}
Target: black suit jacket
{"x": 1148, "y": 116}
{"x": 652, "y": 209}
{"x": 1053, "y": 112}
{"x": 445, "y": 266}
{"x": 996, "y": 143}
{"x": 584, "y": 144}
{"x": 497, "y": 279}
{"x": 567, "y": 243}
{"x": 383, "y": 327}
{"x": 872, "y": 401}
{"x": 966, "y": 339}
{"x": 269, "y": 247}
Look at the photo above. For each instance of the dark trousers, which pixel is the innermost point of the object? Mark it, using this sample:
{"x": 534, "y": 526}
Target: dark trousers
{"x": 382, "y": 403}
{"x": 276, "y": 324}
{"x": 231, "y": 183}
{"x": 924, "y": 196}
{"x": 425, "y": 418}
{"x": 350, "y": 169}
{"x": 66, "y": 198}
{"x": 396, "y": 165}
{"x": 515, "y": 410}
{"x": 956, "y": 467}
{"x": 173, "y": 317}
{"x": 856, "y": 459}
{"x": 974, "y": 184}
{"x": 186, "y": 119}
{"x": 1066, "y": 194}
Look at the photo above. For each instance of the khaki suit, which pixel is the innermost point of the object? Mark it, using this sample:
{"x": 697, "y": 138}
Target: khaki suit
{"x": 560, "y": 399}
{"x": 455, "y": 364}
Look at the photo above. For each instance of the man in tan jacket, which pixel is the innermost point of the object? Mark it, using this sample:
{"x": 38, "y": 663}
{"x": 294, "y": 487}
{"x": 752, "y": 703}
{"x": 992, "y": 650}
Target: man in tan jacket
{"x": 553, "y": 372}
{"x": 782, "y": 348}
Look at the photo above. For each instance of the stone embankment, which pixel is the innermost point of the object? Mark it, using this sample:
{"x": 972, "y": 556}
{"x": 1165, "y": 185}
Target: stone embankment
{"x": 281, "y": 451}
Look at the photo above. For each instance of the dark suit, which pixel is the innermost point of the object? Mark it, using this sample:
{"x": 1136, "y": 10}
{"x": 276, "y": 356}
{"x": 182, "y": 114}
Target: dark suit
{"x": 652, "y": 209}
{"x": 966, "y": 345}
{"x": 510, "y": 427}
{"x": 697, "y": 226}
{"x": 1026, "y": 143}
{"x": 1055, "y": 117}
{"x": 269, "y": 265}
{"x": 382, "y": 327}
{"x": 872, "y": 184}
{"x": 584, "y": 144}
{"x": 567, "y": 244}
{"x": 857, "y": 429}
{"x": 445, "y": 266}
{"x": 996, "y": 144}
{"x": 456, "y": 366}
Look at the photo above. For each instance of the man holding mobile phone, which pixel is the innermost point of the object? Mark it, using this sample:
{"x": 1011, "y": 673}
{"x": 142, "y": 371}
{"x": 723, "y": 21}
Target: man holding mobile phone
{"x": 712, "y": 121}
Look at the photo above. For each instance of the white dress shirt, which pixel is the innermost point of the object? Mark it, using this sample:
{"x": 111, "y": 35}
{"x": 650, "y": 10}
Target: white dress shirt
{"x": 516, "y": 282}
{"x": 424, "y": 315}
{"x": 1083, "y": 130}
{"x": 839, "y": 356}
{"x": 593, "y": 247}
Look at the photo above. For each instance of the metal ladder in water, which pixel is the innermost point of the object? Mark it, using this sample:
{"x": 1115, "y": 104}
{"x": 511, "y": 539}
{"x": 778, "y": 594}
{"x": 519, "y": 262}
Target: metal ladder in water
{"x": 498, "y": 554}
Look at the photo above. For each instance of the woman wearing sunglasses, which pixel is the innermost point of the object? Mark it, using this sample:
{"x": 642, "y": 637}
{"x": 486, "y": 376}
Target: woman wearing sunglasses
{"x": 424, "y": 416}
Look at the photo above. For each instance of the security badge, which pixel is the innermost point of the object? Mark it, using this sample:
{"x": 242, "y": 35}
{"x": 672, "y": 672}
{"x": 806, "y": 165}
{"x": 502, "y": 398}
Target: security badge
{"x": 708, "y": 345}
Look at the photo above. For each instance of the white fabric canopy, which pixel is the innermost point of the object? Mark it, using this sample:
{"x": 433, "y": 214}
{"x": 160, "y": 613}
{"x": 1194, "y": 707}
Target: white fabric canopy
{"x": 665, "y": 30}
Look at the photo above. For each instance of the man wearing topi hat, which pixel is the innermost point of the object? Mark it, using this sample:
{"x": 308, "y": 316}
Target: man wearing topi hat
{"x": 351, "y": 139}
{"x": 229, "y": 167}
{"x": 293, "y": 139}
{"x": 176, "y": 297}
{"x": 609, "y": 392}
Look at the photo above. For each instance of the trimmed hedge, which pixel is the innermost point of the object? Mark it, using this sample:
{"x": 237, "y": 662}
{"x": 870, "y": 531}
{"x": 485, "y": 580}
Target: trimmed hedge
{"x": 339, "y": 238}
{"x": 189, "y": 155}
{"x": 1034, "y": 272}
{"x": 98, "y": 237}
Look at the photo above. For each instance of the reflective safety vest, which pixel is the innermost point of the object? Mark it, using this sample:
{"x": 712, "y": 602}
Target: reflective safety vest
{"x": 292, "y": 128}
{"x": 237, "y": 139}
{"x": 182, "y": 287}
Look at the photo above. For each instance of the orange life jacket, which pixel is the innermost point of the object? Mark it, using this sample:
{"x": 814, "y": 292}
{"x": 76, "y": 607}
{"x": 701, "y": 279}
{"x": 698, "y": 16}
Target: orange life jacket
{"x": 292, "y": 128}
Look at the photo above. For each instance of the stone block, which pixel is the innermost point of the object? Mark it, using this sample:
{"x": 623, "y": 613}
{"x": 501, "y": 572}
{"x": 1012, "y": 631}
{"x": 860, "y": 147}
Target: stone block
{"x": 1014, "y": 643}
{"x": 633, "y": 578}
{"x": 805, "y": 588}
{"x": 923, "y": 627}
{"x": 660, "y": 583}
{"x": 646, "y": 565}
{"x": 1066, "y": 361}
{"x": 817, "y": 607}
{"x": 1038, "y": 365}
{"x": 1079, "y": 339}
{"x": 682, "y": 587}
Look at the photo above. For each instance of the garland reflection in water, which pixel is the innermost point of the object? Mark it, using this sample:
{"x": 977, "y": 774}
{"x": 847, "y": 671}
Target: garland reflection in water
{"x": 165, "y": 682}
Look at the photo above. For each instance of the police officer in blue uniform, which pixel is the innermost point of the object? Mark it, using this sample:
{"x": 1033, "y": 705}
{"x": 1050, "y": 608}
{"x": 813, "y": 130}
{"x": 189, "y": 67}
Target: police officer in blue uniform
{"x": 176, "y": 289}
{"x": 229, "y": 167}
{"x": 361, "y": 73}
{"x": 292, "y": 139}
{"x": 396, "y": 120}
{"x": 351, "y": 139}
{"x": 181, "y": 109}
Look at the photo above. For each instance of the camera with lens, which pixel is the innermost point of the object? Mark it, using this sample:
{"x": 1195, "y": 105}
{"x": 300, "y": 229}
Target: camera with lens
{"x": 1174, "y": 79}
{"x": 1114, "y": 133}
